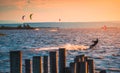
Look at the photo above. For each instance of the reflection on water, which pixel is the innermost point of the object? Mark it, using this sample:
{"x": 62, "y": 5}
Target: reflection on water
{"x": 31, "y": 42}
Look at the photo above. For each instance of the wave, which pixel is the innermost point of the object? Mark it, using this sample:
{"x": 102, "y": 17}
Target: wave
{"x": 67, "y": 46}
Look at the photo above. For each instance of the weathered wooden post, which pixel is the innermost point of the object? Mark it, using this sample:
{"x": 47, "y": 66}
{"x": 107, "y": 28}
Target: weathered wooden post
{"x": 85, "y": 60}
{"x": 103, "y": 71}
{"x": 73, "y": 67}
{"x": 37, "y": 64}
{"x": 82, "y": 57}
{"x": 67, "y": 70}
{"x": 91, "y": 66}
{"x": 83, "y": 67}
{"x": 78, "y": 67}
{"x": 78, "y": 59}
{"x": 62, "y": 60}
{"x": 45, "y": 64}
{"x": 15, "y": 62}
{"x": 53, "y": 62}
{"x": 28, "y": 68}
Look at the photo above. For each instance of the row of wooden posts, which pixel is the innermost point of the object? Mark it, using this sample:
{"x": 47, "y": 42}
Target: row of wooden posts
{"x": 81, "y": 64}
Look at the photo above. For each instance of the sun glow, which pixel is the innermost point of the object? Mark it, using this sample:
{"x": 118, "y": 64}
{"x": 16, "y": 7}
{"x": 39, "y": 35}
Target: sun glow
{"x": 67, "y": 10}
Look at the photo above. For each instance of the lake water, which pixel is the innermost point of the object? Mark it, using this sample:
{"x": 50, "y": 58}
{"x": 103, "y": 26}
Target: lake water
{"x": 39, "y": 42}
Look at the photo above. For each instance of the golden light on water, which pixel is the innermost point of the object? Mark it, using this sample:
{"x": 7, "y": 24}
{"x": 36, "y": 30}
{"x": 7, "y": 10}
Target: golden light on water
{"x": 36, "y": 29}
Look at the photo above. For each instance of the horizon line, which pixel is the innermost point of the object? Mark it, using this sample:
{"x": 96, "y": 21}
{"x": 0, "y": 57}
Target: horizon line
{"x": 57, "y": 22}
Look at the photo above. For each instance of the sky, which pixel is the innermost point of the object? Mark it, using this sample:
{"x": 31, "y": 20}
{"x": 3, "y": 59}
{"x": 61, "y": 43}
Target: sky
{"x": 53, "y": 10}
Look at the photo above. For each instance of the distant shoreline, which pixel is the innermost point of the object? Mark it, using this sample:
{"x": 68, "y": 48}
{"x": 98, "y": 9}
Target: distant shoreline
{"x": 66, "y": 25}
{"x": 32, "y": 28}
{"x": 14, "y": 28}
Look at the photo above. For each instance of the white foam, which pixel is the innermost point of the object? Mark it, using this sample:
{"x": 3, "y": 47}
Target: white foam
{"x": 67, "y": 46}
{"x": 53, "y": 30}
{"x": 75, "y": 47}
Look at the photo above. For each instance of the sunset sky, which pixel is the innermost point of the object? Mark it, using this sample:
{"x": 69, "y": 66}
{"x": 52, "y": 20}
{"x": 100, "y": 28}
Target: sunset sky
{"x": 66, "y": 10}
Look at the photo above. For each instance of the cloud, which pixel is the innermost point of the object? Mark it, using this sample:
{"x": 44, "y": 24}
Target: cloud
{"x": 10, "y": 2}
{"x": 8, "y": 5}
{"x": 7, "y": 8}
{"x": 28, "y": 1}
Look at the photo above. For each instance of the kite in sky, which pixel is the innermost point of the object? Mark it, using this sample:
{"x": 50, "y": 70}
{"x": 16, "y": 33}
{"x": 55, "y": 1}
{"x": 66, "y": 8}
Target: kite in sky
{"x": 23, "y": 17}
{"x": 59, "y": 19}
{"x": 104, "y": 27}
{"x": 31, "y": 16}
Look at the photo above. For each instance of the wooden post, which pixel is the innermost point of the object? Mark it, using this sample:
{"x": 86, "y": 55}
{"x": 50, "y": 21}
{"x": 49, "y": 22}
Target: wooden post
{"x": 103, "y": 71}
{"x": 73, "y": 67}
{"x": 37, "y": 64}
{"x": 85, "y": 58}
{"x": 83, "y": 67}
{"x": 15, "y": 62}
{"x": 76, "y": 59}
{"x": 28, "y": 66}
{"x": 82, "y": 57}
{"x": 67, "y": 70}
{"x": 53, "y": 62}
{"x": 45, "y": 64}
{"x": 91, "y": 66}
{"x": 62, "y": 60}
{"x": 79, "y": 58}
{"x": 78, "y": 67}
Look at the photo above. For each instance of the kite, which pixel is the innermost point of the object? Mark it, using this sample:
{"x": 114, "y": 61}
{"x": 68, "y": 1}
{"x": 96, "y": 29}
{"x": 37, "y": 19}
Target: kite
{"x": 23, "y": 17}
{"x": 59, "y": 20}
{"x": 104, "y": 27}
{"x": 31, "y": 16}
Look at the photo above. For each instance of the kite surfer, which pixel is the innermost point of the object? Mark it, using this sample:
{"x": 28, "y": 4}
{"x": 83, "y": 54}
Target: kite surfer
{"x": 94, "y": 43}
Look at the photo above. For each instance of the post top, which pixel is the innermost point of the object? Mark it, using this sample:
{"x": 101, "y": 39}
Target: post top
{"x": 17, "y": 51}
